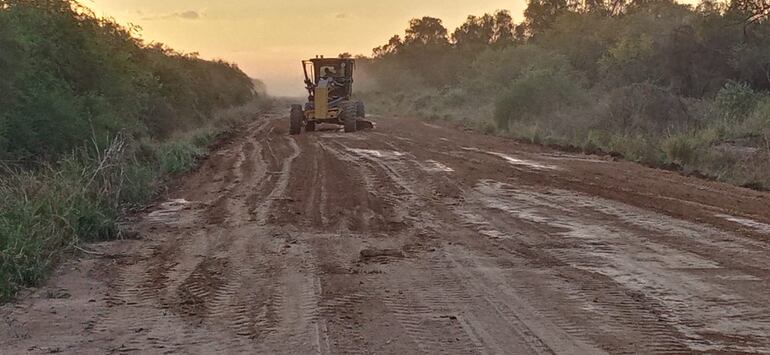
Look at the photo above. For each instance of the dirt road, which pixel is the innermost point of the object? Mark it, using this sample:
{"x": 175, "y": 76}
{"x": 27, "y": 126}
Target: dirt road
{"x": 416, "y": 238}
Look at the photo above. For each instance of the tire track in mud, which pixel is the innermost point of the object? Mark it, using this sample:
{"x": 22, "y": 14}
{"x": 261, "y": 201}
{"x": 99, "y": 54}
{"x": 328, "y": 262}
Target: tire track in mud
{"x": 278, "y": 192}
{"x": 539, "y": 332}
{"x": 196, "y": 293}
{"x": 419, "y": 312}
{"x": 304, "y": 194}
{"x": 430, "y": 311}
{"x": 383, "y": 182}
{"x": 213, "y": 290}
{"x": 625, "y": 307}
{"x": 288, "y": 304}
{"x": 242, "y": 175}
{"x": 663, "y": 314}
{"x": 234, "y": 304}
{"x": 133, "y": 323}
{"x": 418, "y": 308}
{"x": 297, "y": 294}
{"x": 576, "y": 332}
{"x": 372, "y": 205}
{"x": 391, "y": 177}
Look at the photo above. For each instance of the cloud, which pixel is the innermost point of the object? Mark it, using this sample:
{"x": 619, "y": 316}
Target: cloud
{"x": 190, "y": 15}
{"x": 186, "y": 15}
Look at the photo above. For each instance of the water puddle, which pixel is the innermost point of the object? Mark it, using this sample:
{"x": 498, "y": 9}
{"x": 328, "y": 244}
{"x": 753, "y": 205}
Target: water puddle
{"x": 338, "y": 134}
{"x": 573, "y": 158}
{"x": 750, "y": 223}
{"x": 168, "y": 210}
{"x": 481, "y": 224}
{"x": 378, "y": 154}
{"x": 433, "y": 166}
{"x": 389, "y": 136}
{"x": 739, "y": 278}
{"x": 514, "y": 161}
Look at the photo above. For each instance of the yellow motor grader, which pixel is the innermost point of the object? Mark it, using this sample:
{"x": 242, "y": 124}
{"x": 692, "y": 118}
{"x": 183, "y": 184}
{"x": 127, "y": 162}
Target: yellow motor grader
{"x": 329, "y": 82}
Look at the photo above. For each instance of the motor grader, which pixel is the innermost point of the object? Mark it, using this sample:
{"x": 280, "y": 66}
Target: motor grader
{"x": 329, "y": 82}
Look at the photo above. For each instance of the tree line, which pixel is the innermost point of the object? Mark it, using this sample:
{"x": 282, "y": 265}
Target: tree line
{"x": 68, "y": 77}
{"x": 654, "y": 80}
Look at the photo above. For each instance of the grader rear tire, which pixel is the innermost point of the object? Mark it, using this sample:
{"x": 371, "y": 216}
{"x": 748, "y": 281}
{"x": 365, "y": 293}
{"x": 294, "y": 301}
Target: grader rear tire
{"x": 295, "y": 120}
{"x": 360, "y": 109}
{"x": 349, "y": 116}
{"x": 310, "y": 127}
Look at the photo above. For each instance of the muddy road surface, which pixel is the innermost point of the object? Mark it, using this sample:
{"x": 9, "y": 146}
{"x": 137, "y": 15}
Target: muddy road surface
{"x": 415, "y": 238}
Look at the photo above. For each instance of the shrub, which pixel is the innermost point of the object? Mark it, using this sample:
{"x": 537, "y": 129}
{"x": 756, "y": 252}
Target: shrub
{"x": 529, "y": 132}
{"x": 537, "y": 93}
{"x": 759, "y": 122}
{"x": 637, "y": 147}
{"x": 736, "y": 100}
{"x": 680, "y": 149}
{"x": 178, "y": 156}
{"x": 141, "y": 180}
{"x": 644, "y": 108}
{"x": 597, "y": 139}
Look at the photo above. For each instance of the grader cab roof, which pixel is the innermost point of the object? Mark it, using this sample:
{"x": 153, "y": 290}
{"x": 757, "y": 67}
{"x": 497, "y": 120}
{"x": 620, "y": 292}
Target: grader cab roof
{"x": 340, "y": 67}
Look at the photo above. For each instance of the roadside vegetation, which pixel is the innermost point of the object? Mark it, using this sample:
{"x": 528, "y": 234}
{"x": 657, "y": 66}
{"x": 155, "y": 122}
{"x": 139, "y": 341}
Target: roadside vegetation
{"x": 661, "y": 83}
{"x": 92, "y": 122}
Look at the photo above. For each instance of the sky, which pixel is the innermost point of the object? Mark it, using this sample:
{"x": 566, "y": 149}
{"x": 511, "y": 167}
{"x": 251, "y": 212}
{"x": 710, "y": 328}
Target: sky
{"x": 269, "y": 38}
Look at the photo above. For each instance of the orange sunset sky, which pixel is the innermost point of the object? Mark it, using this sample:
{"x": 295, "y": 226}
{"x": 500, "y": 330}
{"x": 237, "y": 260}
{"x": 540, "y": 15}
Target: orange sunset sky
{"x": 268, "y": 38}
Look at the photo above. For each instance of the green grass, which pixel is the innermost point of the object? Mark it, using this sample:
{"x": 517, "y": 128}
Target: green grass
{"x": 178, "y": 156}
{"x": 47, "y": 211}
{"x": 183, "y": 152}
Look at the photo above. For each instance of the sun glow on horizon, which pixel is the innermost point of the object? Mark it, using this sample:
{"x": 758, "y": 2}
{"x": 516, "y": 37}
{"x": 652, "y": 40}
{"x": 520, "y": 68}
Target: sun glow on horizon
{"x": 268, "y": 39}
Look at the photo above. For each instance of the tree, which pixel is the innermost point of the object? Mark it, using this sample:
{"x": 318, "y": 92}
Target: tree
{"x": 540, "y": 14}
{"x": 475, "y": 32}
{"x": 711, "y": 8}
{"x": 504, "y": 27}
{"x": 601, "y": 7}
{"x": 392, "y": 47}
{"x": 752, "y": 11}
{"x": 426, "y": 31}
{"x": 489, "y": 29}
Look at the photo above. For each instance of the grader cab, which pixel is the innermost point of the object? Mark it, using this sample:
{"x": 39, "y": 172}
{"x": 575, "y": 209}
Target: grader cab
{"x": 329, "y": 82}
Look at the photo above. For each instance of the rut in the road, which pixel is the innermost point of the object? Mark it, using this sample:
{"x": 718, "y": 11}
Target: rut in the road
{"x": 219, "y": 282}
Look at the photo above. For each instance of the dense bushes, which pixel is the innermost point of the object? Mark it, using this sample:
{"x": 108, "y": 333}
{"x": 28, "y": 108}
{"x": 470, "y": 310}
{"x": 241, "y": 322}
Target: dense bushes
{"x": 655, "y": 81}
{"x": 68, "y": 77}
{"x": 91, "y": 121}
{"x": 537, "y": 93}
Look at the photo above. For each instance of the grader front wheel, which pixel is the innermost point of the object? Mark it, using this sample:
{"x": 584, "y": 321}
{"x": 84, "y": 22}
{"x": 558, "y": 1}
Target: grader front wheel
{"x": 295, "y": 119}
